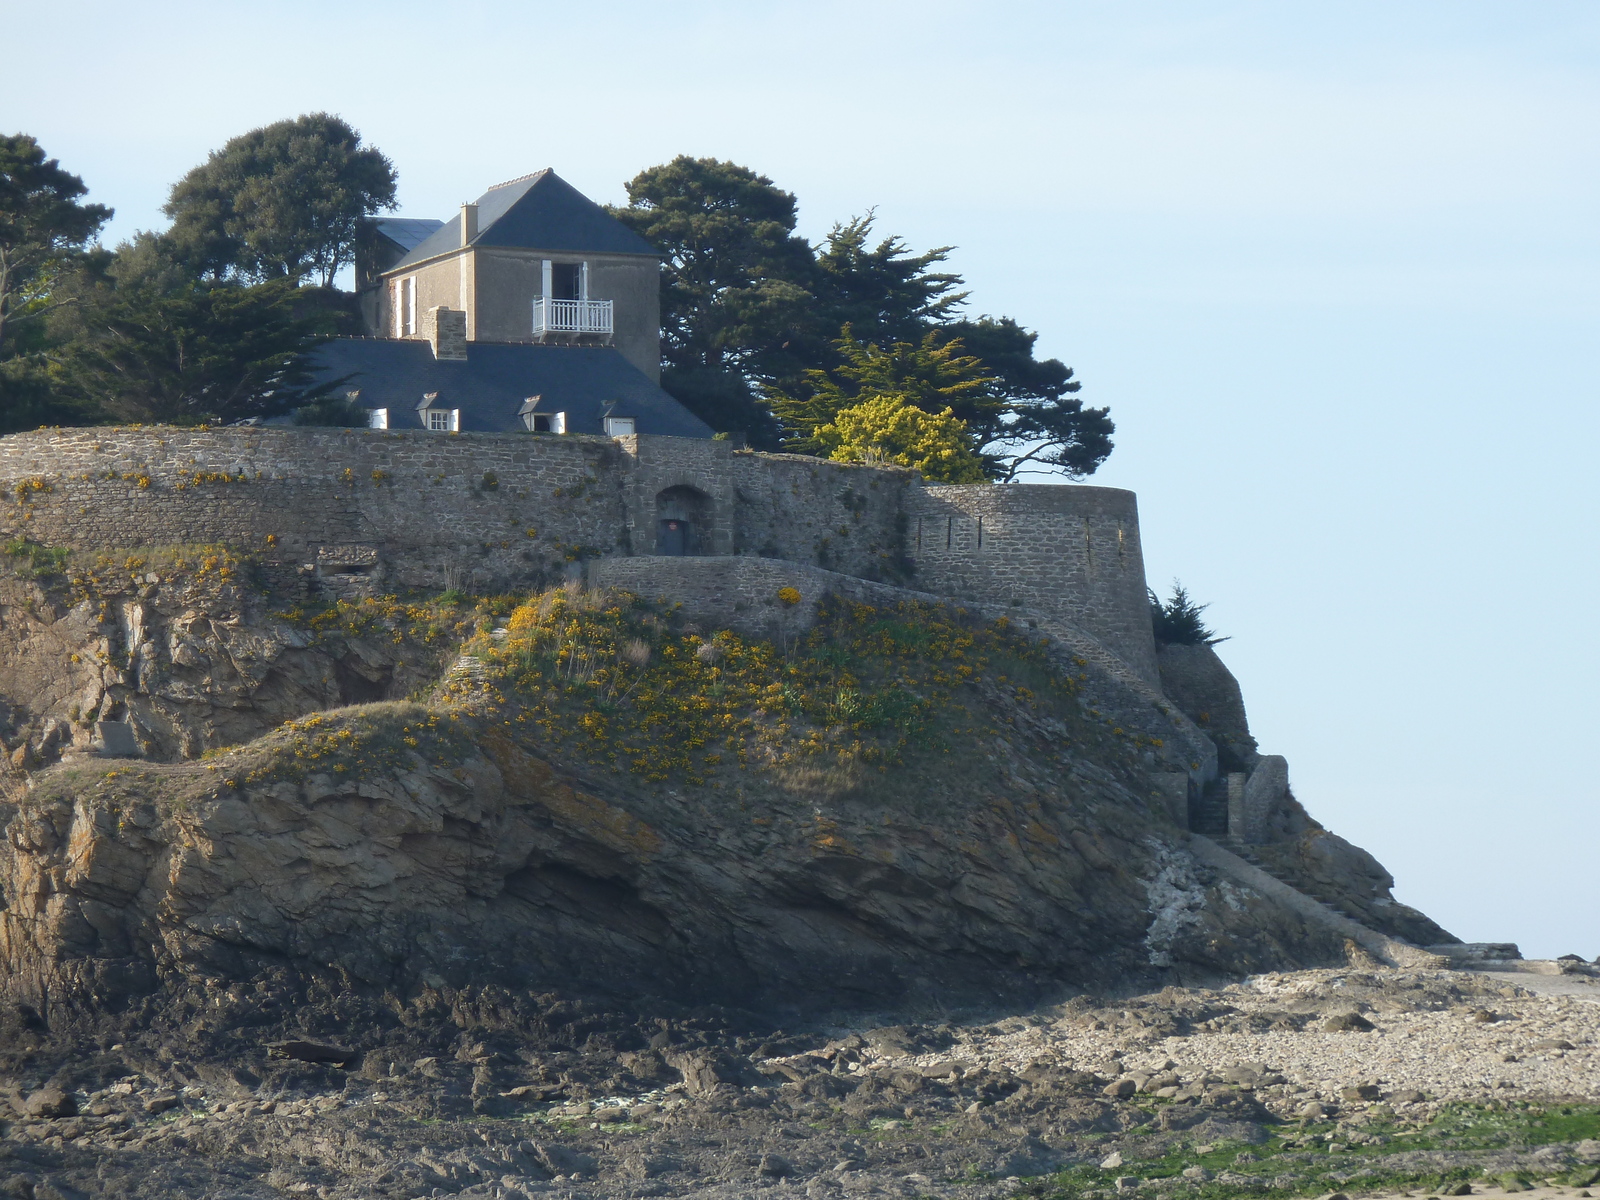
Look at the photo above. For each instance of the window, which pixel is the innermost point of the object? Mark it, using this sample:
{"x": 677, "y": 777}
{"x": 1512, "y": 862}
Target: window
{"x": 619, "y": 427}
{"x": 436, "y": 419}
{"x": 378, "y": 418}
{"x": 405, "y": 306}
{"x": 546, "y": 422}
{"x": 565, "y": 281}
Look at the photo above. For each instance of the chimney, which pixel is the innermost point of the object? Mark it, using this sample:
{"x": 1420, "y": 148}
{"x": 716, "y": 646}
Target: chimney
{"x": 447, "y": 333}
{"x": 469, "y": 223}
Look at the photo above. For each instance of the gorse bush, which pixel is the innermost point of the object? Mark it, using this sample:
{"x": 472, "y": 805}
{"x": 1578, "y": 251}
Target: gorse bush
{"x": 441, "y": 622}
{"x": 609, "y": 679}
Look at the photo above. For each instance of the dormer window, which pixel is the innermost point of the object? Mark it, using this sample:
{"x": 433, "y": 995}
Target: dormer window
{"x": 540, "y": 422}
{"x": 619, "y": 427}
{"x": 436, "y": 418}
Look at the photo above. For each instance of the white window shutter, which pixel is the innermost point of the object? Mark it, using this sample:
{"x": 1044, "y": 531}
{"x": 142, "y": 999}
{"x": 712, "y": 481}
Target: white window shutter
{"x": 455, "y": 420}
{"x": 378, "y": 419}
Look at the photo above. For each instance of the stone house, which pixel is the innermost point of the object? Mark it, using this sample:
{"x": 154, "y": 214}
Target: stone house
{"x": 531, "y": 309}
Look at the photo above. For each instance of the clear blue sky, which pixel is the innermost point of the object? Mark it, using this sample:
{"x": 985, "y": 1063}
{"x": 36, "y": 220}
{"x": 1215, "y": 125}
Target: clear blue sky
{"x": 1332, "y": 266}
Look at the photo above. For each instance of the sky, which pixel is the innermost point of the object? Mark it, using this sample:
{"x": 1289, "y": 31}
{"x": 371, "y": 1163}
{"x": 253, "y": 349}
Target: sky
{"x": 1332, "y": 267}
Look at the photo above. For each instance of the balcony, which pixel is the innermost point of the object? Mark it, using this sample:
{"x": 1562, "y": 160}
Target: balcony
{"x": 571, "y": 316}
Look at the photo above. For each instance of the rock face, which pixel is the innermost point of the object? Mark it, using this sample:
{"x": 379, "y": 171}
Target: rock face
{"x": 1198, "y": 682}
{"x": 394, "y": 846}
{"x": 498, "y": 866}
{"x": 189, "y": 662}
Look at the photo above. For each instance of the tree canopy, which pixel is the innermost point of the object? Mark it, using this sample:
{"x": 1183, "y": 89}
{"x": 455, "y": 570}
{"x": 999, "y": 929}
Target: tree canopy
{"x": 733, "y": 283}
{"x": 193, "y": 351}
{"x": 765, "y": 334}
{"x": 931, "y": 374}
{"x": 45, "y": 232}
{"x": 282, "y": 201}
{"x": 205, "y": 322}
{"x": 43, "y": 229}
{"x": 1177, "y": 621}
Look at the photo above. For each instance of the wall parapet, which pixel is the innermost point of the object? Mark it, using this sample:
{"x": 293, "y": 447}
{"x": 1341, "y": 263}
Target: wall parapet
{"x": 508, "y": 510}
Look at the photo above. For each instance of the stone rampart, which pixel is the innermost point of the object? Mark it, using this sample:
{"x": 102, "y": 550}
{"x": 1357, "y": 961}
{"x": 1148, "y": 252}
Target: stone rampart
{"x": 1071, "y": 551}
{"x": 838, "y": 516}
{"x": 436, "y": 508}
{"x": 386, "y": 509}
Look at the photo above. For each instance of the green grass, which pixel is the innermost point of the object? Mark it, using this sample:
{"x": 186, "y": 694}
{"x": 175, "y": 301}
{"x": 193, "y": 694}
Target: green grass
{"x": 37, "y": 561}
{"x": 1301, "y": 1151}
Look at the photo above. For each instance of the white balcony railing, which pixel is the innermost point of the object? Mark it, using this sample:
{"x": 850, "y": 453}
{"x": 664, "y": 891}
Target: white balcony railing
{"x": 571, "y": 316}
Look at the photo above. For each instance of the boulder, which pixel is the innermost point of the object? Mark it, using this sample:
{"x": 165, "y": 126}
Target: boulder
{"x": 1361, "y": 1091}
{"x": 50, "y": 1102}
{"x": 115, "y": 739}
{"x": 1348, "y": 1022}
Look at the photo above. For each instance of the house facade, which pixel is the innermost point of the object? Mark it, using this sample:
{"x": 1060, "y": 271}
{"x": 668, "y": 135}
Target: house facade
{"x": 532, "y": 309}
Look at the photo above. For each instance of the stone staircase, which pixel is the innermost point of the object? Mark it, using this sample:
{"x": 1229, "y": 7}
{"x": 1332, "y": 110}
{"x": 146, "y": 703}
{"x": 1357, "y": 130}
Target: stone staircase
{"x": 1226, "y": 860}
{"x": 1208, "y": 811}
{"x": 1286, "y": 875}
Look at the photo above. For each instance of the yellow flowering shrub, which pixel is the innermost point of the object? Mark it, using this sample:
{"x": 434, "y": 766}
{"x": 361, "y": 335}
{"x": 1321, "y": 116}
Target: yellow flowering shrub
{"x": 885, "y": 429}
{"x": 609, "y": 679}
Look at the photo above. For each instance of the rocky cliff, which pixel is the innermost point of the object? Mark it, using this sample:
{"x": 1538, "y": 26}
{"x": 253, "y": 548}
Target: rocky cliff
{"x": 910, "y": 807}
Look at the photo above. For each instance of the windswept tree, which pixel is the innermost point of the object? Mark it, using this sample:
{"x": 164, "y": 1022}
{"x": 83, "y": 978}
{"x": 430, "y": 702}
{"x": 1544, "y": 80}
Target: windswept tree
{"x": 733, "y": 286}
{"x": 763, "y": 333}
{"x": 1031, "y": 415}
{"x": 885, "y": 292}
{"x": 1178, "y": 621}
{"x": 282, "y": 201}
{"x": 190, "y": 351}
{"x": 1011, "y": 420}
{"x": 43, "y": 232}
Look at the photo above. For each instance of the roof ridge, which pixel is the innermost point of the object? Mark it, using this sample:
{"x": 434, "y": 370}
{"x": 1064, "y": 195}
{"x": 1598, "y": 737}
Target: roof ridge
{"x": 530, "y": 175}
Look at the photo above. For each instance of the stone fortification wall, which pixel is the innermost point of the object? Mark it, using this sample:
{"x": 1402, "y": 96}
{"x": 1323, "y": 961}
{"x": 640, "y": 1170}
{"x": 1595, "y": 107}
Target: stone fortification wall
{"x": 838, "y": 516}
{"x": 653, "y": 465}
{"x": 414, "y": 509}
{"x": 1065, "y": 550}
{"x": 384, "y": 509}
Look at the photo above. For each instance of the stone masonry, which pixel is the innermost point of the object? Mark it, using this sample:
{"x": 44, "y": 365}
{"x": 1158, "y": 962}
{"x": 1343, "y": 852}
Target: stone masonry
{"x": 420, "y": 509}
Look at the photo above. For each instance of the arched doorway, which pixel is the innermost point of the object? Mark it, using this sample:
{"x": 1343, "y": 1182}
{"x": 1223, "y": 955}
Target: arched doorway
{"x": 683, "y": 521}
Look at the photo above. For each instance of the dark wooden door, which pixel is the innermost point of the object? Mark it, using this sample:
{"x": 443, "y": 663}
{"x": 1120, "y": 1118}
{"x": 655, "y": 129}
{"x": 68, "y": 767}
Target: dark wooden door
{"x": 672, "y": 536}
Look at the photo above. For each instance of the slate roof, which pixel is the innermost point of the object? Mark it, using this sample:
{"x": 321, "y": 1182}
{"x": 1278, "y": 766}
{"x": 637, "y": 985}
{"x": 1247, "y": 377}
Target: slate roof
{"x": 407, "y": 232}
{"x": 491, "y": 386}
{"x": 541, "y": 211}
